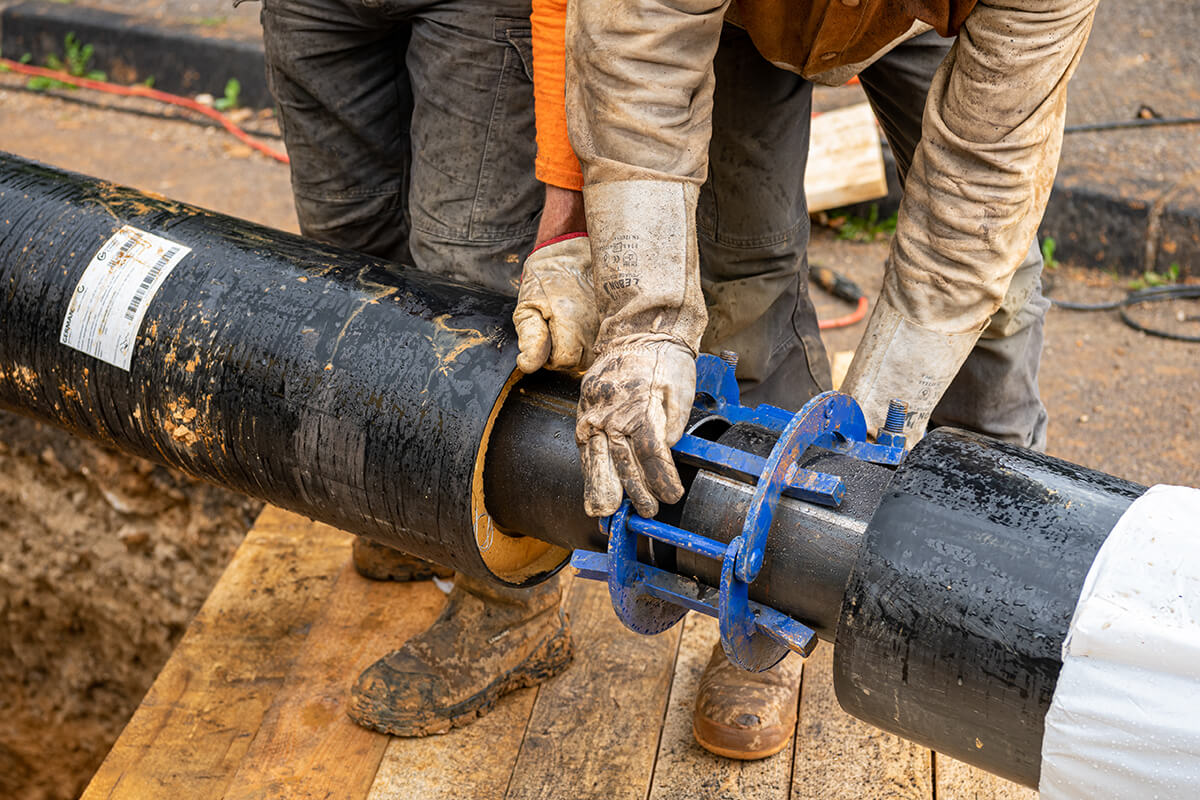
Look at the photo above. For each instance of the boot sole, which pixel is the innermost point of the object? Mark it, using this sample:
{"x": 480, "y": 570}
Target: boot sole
{"x": 547, "y": 660}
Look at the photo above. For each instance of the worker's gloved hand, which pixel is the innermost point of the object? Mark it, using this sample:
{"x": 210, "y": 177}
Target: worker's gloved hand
{"x": 635, "y": 400}
{"x": 897, "y": 358}
{"x": 556, "y": 316}
{"x": 633, "y": 406}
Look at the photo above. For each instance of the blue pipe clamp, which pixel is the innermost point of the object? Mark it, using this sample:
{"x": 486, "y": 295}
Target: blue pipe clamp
{"x": 649, "y": 600}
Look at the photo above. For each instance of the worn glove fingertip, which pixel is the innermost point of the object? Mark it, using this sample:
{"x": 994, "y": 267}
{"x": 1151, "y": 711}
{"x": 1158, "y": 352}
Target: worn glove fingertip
{"x": 533, "y": 340}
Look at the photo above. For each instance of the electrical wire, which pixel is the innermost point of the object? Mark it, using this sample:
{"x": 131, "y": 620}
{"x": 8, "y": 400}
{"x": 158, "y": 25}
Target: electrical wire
{"x": 151, "y": 94}
{"x": 82, "y": 100}
{"x": 844, "y": 289}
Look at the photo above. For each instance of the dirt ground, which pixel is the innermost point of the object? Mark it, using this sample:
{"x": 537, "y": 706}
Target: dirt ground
{"x": 103, "y": 559}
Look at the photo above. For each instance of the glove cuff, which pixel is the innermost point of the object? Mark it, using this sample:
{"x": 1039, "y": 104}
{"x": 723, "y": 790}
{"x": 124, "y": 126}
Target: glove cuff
{"x": 645, "y": 262}
{"x": 900, "y": 359}
{"x": 642, "y": 341}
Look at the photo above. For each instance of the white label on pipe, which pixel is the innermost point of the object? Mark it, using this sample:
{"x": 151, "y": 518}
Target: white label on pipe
{"x": 1124, "y": 722}
{"x": 114, "y": 291}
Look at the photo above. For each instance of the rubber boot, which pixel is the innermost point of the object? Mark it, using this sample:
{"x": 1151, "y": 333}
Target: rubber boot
{"x": 489, "y": 641}
{"x": 746, "y": 715}
{"x": 382, "y": 563}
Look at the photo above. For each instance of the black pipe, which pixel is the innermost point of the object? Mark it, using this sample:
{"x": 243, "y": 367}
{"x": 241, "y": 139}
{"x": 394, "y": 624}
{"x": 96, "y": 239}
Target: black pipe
{"x": 349, "y": 389}
{"x": 361, "y": 393}
{"x": 956, "y": 611}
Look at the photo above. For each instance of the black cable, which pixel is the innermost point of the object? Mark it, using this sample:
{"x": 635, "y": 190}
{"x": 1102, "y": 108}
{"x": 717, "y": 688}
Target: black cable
{"x": 1153, "y": 294}
{"x": 1153, "y": 122}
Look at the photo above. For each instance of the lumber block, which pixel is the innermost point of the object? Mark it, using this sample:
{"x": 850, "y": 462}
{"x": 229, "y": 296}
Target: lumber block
{"x": 845, "y": 159}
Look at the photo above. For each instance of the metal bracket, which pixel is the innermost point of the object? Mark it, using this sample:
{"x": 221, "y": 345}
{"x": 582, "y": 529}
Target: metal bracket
{"x": 649, "y": 600}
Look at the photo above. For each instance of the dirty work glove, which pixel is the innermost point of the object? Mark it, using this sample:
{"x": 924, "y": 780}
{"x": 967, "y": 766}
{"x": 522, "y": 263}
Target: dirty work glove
{"x": 897, "y": 358}
{"x": 633, "y": 405}
{"x": 556, "y": 317}
{"x": 635, "y": 400}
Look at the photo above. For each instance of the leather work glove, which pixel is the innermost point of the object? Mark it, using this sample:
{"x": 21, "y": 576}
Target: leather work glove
{"x": 897, "y": 358}
{"x": 635, "y": 400}
{"x": 633, "y": 405}
{"x": 556, "y": 316}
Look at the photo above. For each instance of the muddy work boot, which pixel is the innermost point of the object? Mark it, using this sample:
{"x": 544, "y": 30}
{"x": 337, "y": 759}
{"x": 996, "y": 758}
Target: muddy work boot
{"x": 746, "y": 715}
{"x": 489, "y": 641}
{"x": 382, "y": 563}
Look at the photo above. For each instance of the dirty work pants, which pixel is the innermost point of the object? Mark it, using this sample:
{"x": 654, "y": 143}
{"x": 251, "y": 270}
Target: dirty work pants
{"x": 754, "y": 229}
{"x": 410, "y": 128}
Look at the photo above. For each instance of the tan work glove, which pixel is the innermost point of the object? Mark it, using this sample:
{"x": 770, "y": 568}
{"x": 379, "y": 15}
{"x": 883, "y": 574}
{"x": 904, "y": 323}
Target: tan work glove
{"x": 633, "y": 405}
{"x": 556, "y": 316}
{"x": 897, "y": 358}
{"x": 635, "y": 400}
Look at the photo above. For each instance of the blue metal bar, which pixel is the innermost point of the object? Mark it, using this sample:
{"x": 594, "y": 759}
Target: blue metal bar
{"x": 669, "y": 534}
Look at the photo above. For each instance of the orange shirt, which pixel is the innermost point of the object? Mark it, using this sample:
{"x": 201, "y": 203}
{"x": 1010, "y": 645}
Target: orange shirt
{"x": 556, "y": 163}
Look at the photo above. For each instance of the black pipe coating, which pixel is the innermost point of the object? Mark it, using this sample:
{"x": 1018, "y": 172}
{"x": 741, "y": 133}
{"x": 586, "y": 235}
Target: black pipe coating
{"x": 346, "y": 388}
{"x": 955, "y": 614}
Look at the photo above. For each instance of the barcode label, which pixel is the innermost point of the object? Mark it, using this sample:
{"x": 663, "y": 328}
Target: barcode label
{"x": 151, "y": 276}
{"x": 116, "y": 288}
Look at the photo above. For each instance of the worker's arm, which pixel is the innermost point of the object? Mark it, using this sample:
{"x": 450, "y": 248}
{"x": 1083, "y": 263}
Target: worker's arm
{"x": 556, "y": 316}
{"x": 639, "y": 110}
{"x": 973, "y": 200}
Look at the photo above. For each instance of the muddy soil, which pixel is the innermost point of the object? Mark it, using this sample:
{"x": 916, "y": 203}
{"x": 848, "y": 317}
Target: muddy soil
{"x": 103, "y": 559}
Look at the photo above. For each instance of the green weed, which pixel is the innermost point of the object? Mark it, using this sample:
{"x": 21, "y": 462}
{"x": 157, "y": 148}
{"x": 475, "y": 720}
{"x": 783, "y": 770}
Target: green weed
{"x": 75, "y": 62}
{"x": 1048, "y": 248}
{"x": 233, "y": 92}
{"x": 1151, "y": 278}
{"x": 864, "y": 229}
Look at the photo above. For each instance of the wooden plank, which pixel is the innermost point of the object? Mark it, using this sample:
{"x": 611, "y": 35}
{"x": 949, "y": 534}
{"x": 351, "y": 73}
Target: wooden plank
{"x": 594, "y": 728}
{"x": 845, "y": 159}
{"x": 307, "y": 747}
{"x": 838, "y": 756}
{"x": 684, "y": 770}
{"x": 959, "y": 781}
{"x": 470, "y": 763}
{"x": 191, "y": 730}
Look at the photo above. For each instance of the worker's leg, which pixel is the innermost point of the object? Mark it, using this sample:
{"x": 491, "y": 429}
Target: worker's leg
{"x": 338, "y": 76}
{"x": 753, "y": 229}
{"x": 473, "y": 203}
{"x": 474, "y": 199}
{"x": 996, "y": 390}
{"x": 337, "y": 73}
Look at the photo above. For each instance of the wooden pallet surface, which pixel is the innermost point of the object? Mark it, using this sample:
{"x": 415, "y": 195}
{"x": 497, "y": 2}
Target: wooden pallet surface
{"x": 252, "y": 705}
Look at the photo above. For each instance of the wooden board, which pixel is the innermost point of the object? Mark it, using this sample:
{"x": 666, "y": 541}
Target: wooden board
{"x": 594, "y": 729}
{"x": 197, "y": 721}
{"x": 838, "y": 756}
{"x": 307, "y": 747}
{"x": 252, "y": 704}
{"x": 959, "y": 781}
{"x": 845, "y": 159}
{"x": 685, "y": 770}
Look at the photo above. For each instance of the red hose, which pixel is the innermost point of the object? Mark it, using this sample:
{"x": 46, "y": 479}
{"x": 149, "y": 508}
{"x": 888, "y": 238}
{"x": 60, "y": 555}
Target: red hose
{"x": 854, "y": 316}
{"x": 151, "y": 94}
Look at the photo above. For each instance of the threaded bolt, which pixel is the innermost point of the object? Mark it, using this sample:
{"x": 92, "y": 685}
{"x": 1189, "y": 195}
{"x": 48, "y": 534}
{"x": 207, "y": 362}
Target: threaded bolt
{"x": 897, "y": 415}
{"x": 729, "y": 357}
